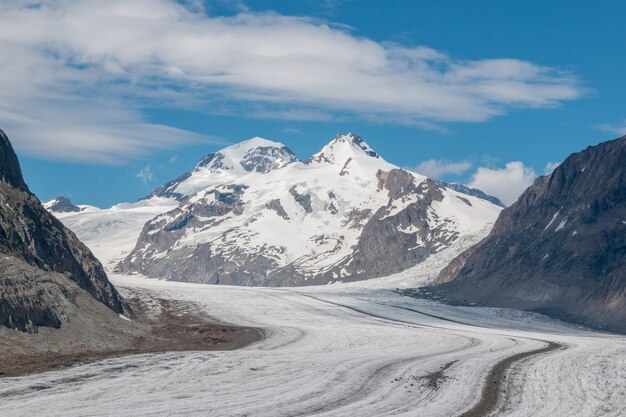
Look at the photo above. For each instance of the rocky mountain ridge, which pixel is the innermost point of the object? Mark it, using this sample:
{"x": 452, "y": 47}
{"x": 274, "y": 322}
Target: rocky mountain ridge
{"x": 33, "y": 245}
{"x": 560, "y": 249}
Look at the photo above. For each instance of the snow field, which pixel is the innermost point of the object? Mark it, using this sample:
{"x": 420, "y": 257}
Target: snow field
{"x": 337, "y": 351}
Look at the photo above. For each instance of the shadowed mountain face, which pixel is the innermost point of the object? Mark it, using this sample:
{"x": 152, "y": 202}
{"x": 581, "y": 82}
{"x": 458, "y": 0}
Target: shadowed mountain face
{"x": 10, "y": 172}
{"x": 32, "y": 243}
{"x": 560, "y": 249}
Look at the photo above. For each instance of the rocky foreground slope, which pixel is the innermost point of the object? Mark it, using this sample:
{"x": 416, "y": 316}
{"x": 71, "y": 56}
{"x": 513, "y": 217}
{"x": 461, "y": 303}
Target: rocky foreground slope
{"x": 560, "y": 249}
{"x": 253, "y": 214}
{"x": 41, "y": 261}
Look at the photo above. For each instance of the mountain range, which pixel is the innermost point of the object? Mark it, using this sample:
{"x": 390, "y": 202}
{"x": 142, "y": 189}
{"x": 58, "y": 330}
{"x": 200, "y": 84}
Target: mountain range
{"x": 254, "y": 214}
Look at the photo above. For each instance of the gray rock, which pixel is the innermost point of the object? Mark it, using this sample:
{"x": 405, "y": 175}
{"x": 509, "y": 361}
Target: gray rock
{"x": 10, "y": 172}
{"x": 303, "y": 199}
{"x": 267, "y": 158}
{"x": 560, "y": 249}
{"x": 381, "y": 236}
{"x": 278, "y": 208}
{"x": 28, "y": 232}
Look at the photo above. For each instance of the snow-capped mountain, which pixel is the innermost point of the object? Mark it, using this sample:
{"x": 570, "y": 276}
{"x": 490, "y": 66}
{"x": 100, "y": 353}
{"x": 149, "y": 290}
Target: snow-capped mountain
{"x": 111, "y": 233}
{"x": 254, "y": 155}
{"x": 253, "y": 214}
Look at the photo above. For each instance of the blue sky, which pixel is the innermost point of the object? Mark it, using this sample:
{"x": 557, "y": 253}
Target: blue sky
{"x": 104, "y": 101}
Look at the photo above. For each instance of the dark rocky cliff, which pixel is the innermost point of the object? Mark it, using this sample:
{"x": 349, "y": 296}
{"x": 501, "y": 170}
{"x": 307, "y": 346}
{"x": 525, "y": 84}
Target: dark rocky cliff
{"x": 10, "y": 172}
{"x": 560, "y": 249}
{"x": 30, "y": 234}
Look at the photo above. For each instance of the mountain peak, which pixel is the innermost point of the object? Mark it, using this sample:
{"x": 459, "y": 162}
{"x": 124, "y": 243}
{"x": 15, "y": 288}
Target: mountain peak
{"x": 61, "y": 204}
{"x": 253, "y": 155}
{"x": 357, "y": 142}
{"x": 258, "y": 141}
{"x": 342, "y": 148}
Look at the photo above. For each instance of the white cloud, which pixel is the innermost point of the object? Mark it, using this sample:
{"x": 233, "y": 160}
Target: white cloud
{"x": 618, "y": 129}
{"x": 550, "y": 166}
{"x": 81, "y": 66}
{"x": 437, "y": 168}
{"x": 101, "y": 142}
{"x": 506, "y": 183}
{"x": 146, "y": 174}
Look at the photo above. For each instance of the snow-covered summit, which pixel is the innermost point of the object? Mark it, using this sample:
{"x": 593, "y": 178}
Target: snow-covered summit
{"x": 256, "y": 155}
{"x": 253, "y": 155}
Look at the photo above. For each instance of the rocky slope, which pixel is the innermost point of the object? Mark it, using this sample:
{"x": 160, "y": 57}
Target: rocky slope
{"x": 37, "y": 253}
{"x": 253, "y": 214}
{"x": 560, "y": 249}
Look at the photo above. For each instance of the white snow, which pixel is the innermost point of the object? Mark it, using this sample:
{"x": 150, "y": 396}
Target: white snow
{"x": 340, "y": 352}
{"x": 551, "y": 221}
{"x": 50, "y": 203}
{"x": 230, "y": 169}
{"x": 112, "y": 233}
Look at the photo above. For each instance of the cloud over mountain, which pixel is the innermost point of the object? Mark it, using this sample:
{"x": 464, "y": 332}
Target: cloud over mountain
{"x": 505, "y": 183}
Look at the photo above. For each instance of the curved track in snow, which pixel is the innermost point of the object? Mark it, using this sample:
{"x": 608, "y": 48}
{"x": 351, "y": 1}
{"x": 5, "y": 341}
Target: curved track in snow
{"x": 342, "y": 352}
